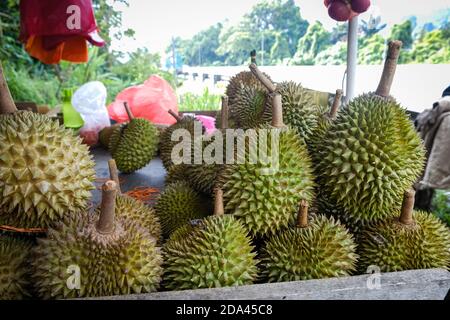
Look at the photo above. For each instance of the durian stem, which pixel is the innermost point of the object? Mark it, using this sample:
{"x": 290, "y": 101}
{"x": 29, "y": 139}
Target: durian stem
{"x": 302, "y": 216}
{"x": 262, "y": 78}
{"x": 277, "y": 110}
{"x": 218, "y": 202}
{"x": 7, "y": 104}
{"x": 253, "y": 56}
{"x": 127, "y": 109}
{"x": 336, "y": 104}
{"x": 114, "y": 173}
{"x": 173, "y": 114}
{"x": 105, "y": 224}
{"x": 224, "y": 113}
{"x": 390, "y": 65}
{"x": 406, "y": 215}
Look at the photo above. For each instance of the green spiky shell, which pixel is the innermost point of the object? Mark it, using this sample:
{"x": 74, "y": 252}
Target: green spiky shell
{"x": 124, "y": 262}
{"x": 178, "y": 204}
{"x": 104, "y": 136}
{"x": 215, "y": 254}
{"x": 240, "y": 80}
{"x": 265, "y": 200}
{"x": 176, "y": 173}
{"x": 115, "y": 137}
{"x": 139, "y": 212}
{"x": 299, "y": 110}
{"x": 393, "y": 246}
{"x": 166, "y": 144}
{"x": 251, "y": 107}
{"x": 137, "y": 145}
{"x": 45, "y": 171}
{"x": 371, "y": 156}
{"x": 324, "y": 249}
{"x": 14, "y": 268}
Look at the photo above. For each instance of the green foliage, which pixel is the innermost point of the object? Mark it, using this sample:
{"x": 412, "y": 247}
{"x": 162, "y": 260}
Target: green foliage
{"x": 204, "y": 102}
{"x": 441, "y": 205}
{"x": 403, "y": 32}
{"x": 371, "y": 50}
{"x": 432, "y": 47}
{"x": 311, "y": 44}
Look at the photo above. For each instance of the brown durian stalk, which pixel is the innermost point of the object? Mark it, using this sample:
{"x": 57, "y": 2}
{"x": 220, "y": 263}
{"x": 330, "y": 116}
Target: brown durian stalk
{"x": 7, "y": 104}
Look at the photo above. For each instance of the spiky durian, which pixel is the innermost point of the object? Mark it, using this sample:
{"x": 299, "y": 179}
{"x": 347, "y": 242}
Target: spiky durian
{"x": 14, "y": 268}
{"x": 251, "y": 107}
{"x": 91, "y": 255}
{"x": 193, "y": 128}
{"x": 372, "y": 154}
{"x": 178, "y": 204}
{"x": 216, "y": 252}
{"x": 176, "y": 173}
{"x": 416, "y": 240}
{"x": 265, "y": 194}
{"x": 104, "y": 136}
{"x": 240, "y": 80}
{"x": 320, "y": 248}
{"x": 137, "y": 145}
{"x": 45, "y": 171}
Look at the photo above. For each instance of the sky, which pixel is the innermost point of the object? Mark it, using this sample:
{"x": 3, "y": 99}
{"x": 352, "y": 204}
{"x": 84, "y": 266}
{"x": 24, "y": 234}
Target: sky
{"x": 157, "y": 21}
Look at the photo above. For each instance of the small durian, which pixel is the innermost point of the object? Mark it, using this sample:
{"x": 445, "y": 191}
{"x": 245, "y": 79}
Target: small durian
{"x": 46, "y": 172}
{"x": 104, "y": 136}
{"x": 240, "y": 80}
{"x": 251, "y": 108}
{"x": 320, "y": 248}
{"x": 372, "y": 153}
{"x": 264, "y": 192}
{"x": 14, "y": 268}
{"x": 137, "y": 144}
{"x": 416, "y": 240}
{"x": 176, "y": 173}
{"x": 216, "y": 252}
{"x": 186, "y": 125}
{"x": 178, "y": 204}
{"x": 99, "y": 254}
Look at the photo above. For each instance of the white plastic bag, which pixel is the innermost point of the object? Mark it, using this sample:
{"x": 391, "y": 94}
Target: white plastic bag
{"x": 90, "y": 101}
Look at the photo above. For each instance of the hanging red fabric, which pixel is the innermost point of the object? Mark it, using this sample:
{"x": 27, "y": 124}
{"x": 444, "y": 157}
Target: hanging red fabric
{"x": 50, "y": 28}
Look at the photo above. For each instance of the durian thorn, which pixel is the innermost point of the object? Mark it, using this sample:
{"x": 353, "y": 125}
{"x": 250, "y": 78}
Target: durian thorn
{"x": 127, "y": 109}
{"x": 175, "y": 115}
{"x": 114, "y": 173}
{"x": 277, "y": 111}
{"x": 302, "y": 215}
{"x": 7, "y": 104}
{"x": 390, "y": 65}
{"x": 105, "y": 224}
{"x": 224, "y": 113}
{"x": 336, "y": 104}
{"x": 406, "y": 215}
{"x": 218, "y": 202}
{"x": 262, "y": 78}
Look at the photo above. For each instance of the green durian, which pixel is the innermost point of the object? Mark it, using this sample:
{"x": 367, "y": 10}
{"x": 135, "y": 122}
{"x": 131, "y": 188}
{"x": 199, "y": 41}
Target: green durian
{"x": 240, "y": 80}
{"x": 14, "y": 268}
{"x": 216, "y": 252}
{"x": 416, "y": 240}
{"x": 92, "y": 255}
{"x": 264, "y": 194}
{"x": 104, "y": 136}
{"x": 176, "y": 173}
{"x": 137, "y": 145}
{"x": 178, "y": 204}
{"x": 46, "y": 172}
{"x": 370, "y": 155}
{"x": 320, "y": 248}
{"x": 193, "y": 127}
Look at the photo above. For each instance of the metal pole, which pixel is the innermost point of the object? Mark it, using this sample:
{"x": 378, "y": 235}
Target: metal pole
{"x": 352, "y": 58}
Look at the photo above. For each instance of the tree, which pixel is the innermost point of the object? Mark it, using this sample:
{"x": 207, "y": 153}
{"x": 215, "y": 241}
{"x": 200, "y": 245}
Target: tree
{"x": 280, "y": 49}
{"x": 371, "y": 50}
{"x": 314, "y": 41}
{"x": 372, "y": 26}
{"x": 403, "y": 32}
{"x": 432, "y": 47}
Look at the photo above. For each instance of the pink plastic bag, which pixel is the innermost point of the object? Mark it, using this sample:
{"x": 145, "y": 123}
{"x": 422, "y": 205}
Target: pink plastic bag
{"x": 150, "y": 101}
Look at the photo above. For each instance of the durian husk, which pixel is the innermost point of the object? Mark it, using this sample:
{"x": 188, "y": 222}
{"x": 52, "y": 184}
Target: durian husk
{"x": 104, "y": 136}
{"x": 240, "y": 80}
{"x": 46, "y": 172}
{"x": 323, "y": 249}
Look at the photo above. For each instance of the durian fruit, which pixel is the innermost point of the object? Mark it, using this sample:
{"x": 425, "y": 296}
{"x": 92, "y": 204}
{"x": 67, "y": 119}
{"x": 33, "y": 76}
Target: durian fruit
{"x": 14, "y": 268}
{"x": 133, "y": 209}
{"x": 320, "y": 248}
{"x": 176, "y": 173}
{"x": 99, "y": 254}
{"x": 115, "y": 137}
{"x": 240, "y": 80}
{"x": 371, "y": 153}
{"x": 192, "y": 126}
{"x": 137, "y": 144}
{"x": 416, "y": 240}
{"x": 264, "y": 193}
{"x": 45, "y": 171}
{"x": 104, "y": 136}
{"x": 178, "y": 204}
{"x": 216, "y": 252}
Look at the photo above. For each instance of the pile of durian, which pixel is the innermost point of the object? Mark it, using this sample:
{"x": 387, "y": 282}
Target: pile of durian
{"x": 341, "y": 199}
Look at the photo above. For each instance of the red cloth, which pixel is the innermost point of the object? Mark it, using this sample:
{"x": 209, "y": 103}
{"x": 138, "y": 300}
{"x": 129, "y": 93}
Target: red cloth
{"x": 48, "y": 30}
